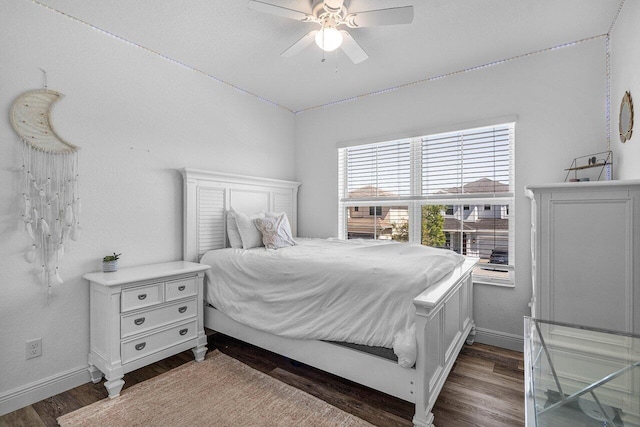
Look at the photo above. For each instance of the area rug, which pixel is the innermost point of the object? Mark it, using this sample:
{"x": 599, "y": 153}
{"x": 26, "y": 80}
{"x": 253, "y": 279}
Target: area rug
{"x": 220, "y": 391}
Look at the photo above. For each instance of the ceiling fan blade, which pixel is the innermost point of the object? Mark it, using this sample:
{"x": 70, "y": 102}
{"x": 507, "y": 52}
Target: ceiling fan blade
{"x": 373, "y": 18}
{"x": 352, "y": 49}
{"x": 333, "y": 6}
{"x": 298, "y": 46}
{"x": 280, "y": 11}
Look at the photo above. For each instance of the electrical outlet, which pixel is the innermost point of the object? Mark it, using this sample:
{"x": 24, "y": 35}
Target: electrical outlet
{"x": 33, "y": 348}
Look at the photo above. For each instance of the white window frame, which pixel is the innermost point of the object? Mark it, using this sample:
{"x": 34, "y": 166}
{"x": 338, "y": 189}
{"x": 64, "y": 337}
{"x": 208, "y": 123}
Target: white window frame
{"x": 415, "y": 202}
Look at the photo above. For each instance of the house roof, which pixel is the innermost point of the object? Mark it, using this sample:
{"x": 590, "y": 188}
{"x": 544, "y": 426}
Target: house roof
{"x": 482, "y": 185}
{"x": 370, "y": 191}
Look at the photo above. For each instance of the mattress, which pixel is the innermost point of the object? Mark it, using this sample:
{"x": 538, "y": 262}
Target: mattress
{"x": 354, "y": 291}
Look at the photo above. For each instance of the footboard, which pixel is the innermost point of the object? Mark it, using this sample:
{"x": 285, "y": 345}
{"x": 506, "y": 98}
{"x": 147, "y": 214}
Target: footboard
{"x": 444, "y": 319}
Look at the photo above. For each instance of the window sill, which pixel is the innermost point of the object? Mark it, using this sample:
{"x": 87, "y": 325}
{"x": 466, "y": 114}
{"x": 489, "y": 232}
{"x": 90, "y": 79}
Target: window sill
{"x": 489, "y": 282}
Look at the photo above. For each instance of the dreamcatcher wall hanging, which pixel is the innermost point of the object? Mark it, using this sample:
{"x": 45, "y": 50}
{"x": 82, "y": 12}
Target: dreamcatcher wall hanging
{"x": 50, "y": 206}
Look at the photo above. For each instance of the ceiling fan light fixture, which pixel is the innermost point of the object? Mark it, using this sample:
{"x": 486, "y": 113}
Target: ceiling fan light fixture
{"x": 329, "y": 38}
{"x": 331, "y": 15}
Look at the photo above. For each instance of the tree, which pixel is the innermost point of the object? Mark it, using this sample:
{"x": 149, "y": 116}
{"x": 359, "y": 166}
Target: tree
{"x": 433, "y": 226}
{"x": 400, "y": 231}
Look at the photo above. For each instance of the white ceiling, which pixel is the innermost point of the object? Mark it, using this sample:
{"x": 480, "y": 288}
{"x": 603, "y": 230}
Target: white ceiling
{"x": 241, "y": 47}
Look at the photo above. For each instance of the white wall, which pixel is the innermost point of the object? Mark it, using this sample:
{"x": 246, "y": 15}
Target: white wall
{"x": 625, "y": 63}
{"x": 559, "y": 97}
{"x": 138, "y": 119}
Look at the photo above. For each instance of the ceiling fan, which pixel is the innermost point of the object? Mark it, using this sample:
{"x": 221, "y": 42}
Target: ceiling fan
{"x": 330, "y": 15}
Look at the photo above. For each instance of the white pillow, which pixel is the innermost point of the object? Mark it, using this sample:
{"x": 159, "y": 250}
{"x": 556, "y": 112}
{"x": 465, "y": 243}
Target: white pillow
{"x": 249, "y": 234}
{"x": 276, "y": 231}
{"x": 232, "y": 230}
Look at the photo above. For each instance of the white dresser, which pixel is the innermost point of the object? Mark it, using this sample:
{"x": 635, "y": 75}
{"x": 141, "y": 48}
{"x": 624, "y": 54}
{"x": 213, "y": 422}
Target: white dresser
{"x": 585, "y": 246}
{"x": 143, "y": 314}
{"x": 585, "y": 241}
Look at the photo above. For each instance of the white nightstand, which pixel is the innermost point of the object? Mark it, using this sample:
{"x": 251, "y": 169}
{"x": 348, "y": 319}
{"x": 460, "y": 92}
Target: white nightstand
{"x": 143, "y": 314}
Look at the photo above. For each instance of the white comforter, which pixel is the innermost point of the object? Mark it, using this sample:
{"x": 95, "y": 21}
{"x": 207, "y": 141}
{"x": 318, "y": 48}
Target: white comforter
{"x": 357, "y": 291}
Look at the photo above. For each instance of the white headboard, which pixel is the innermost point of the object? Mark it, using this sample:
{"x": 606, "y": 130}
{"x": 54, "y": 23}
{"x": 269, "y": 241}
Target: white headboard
{"x": 208, "y": 195}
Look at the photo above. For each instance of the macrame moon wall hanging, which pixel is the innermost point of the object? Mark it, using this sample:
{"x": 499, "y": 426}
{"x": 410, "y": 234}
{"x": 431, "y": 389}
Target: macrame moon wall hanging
{"x": 49, "y": 203}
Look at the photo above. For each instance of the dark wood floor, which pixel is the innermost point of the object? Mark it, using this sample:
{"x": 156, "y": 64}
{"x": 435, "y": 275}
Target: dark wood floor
{"x": 485, "y": 388}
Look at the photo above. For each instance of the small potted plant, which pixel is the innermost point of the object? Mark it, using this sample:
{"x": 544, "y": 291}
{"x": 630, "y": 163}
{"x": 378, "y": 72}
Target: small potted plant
{"x": 110, "y": 263}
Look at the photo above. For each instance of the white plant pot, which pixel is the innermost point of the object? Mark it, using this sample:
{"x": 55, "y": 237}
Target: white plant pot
{"x": 109, "y": 266}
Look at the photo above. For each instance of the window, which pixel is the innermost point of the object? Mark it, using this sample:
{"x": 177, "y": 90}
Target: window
{"x": 452, "y": 190}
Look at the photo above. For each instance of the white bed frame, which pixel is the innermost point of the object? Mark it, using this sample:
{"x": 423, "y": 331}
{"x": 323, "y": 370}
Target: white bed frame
{"x": 443, "y": 311}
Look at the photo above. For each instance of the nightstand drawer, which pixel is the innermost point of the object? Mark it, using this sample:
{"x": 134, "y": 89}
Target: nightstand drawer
{"x": 142, "y": 296}
{"x": 181, "y": 288}
{"x": 140, "y": 347}
{"x": 136, "y": 323}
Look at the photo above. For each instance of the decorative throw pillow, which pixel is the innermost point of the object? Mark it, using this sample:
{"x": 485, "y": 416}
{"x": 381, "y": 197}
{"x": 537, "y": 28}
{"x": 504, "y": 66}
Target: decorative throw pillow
{"x": 249, "y": 234}
{"x": 285, "y": 224}
{"x": 232, "y": 230}
{"x": 276, "y": 231}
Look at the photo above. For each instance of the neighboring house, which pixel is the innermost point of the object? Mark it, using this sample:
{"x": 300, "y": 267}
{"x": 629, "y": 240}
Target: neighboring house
{"x": 476, "y": 230}
{"x": 373, "y": 222}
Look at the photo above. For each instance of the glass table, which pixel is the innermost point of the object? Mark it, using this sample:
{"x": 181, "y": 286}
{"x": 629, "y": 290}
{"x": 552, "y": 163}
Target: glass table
{"x": 579, "y": 376}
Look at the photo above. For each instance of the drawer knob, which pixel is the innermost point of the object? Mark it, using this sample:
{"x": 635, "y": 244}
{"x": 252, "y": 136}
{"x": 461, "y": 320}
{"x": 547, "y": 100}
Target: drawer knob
{"x": 142, "y": 296}
{"x": 182, "y": 309}
{"x": 181, "y": 288}
{"x": 184, "y": 331}
{"x": 139, "y": 321}
{"x": 140, "y": 346}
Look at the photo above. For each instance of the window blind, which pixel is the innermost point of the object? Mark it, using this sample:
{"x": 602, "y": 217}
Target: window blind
{"x": 378, "y": 170}
{"x": 472, "y": 163}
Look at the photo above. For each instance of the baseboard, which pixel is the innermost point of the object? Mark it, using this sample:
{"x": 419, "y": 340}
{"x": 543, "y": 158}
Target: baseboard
{"x": 500, "y": 339}
{"x": 36, "y": 391}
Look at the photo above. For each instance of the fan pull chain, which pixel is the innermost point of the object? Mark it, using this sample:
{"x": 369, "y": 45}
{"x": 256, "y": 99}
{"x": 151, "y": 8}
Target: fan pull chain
{"x": 323, "y": 51}
{"x": 45, "y": 77}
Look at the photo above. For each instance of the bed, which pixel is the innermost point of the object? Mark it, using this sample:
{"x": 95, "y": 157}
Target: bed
{"x": 443, "y": 311}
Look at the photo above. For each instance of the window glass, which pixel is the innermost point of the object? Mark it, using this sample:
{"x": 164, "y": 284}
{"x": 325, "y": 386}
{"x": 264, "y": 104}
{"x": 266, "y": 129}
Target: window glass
{"x": 378, "y": 222}
{"x": 484, "y": 235}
